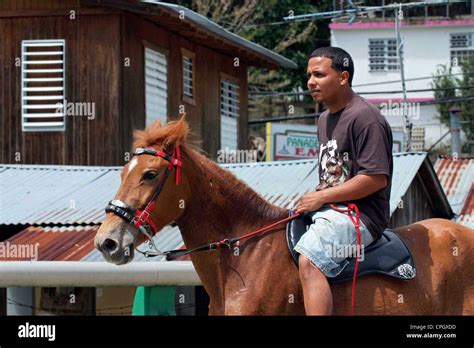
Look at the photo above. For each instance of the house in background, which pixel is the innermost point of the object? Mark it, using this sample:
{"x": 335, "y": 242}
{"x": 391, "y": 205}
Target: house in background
{"x": 428, "y": 42}
{"x": 80, "y": 75}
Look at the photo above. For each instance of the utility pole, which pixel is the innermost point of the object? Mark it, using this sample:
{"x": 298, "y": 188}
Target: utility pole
{"x": 408, "y": 126}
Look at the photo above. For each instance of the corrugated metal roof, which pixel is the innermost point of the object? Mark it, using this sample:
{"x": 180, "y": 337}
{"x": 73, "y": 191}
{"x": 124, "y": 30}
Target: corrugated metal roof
{"x": 456, "y": 178}
{"x": 405, "y": 167}
{"x": 48, "y": 194}
{"x": 292, "y": 179}
{"x": 39, "y": 194}
{"x": 35, "y": 194}
{"x": 67, "y": 243}
{"x": 278, "y": 182}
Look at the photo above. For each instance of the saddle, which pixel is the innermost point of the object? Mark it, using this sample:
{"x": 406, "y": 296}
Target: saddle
{"x": 387, "y": 255}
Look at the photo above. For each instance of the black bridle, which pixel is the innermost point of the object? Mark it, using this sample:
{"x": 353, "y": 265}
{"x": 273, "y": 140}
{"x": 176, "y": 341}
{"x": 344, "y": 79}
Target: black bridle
{"x": 141, "y": 218}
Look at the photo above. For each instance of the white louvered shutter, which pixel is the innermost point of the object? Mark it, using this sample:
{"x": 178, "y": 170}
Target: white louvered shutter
{"x": 229, "y": 114}
{"x": 156, "y": 87}
{"x": 43, "y": 87}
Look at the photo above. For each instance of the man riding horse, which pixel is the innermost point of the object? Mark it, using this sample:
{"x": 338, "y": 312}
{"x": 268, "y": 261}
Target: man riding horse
{"x": 355, "y": 165}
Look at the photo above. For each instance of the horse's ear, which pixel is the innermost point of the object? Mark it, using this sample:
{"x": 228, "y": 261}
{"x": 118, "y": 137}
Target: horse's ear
{"x": 177, "y": 133}
{"x": 156, "y": 125}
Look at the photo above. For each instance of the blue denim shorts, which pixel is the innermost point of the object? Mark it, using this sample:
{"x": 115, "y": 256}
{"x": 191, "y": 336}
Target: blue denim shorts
{"x": 331, "y": 240}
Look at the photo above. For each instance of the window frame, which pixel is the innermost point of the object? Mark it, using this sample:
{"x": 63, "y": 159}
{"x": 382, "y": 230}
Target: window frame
{"x": 387, "y": 58}
{"x": 461, "y": 52}
{"x": 185, "y": 53}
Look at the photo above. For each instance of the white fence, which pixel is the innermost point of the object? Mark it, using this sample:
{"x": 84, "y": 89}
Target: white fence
{"x": 94, "y": 274}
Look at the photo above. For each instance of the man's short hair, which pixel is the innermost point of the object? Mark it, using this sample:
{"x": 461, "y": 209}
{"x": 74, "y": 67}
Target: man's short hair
{"x": 341, "y": 60}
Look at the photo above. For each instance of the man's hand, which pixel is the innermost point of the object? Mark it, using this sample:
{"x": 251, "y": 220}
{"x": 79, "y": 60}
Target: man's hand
{"x": 357, "y": 187}
{"x": 310, "y": 201}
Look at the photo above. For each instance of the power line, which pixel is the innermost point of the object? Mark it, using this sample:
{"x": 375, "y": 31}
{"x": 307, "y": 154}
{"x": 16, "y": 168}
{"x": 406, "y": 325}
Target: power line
{"x": 412, "y": 79}
{"x": 355, "y": 10}
{"x": 418, "y": 90}
{"x": 284, "y": 118}
{"x": 314, "y": 115}
{"x": 278, "y": 94}
{"x": 362, "y": 85}
{"x": 276, "y": 23}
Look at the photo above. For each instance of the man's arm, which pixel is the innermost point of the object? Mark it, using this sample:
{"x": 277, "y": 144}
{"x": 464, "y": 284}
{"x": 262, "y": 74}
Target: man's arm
{"x": 358, "y": 187}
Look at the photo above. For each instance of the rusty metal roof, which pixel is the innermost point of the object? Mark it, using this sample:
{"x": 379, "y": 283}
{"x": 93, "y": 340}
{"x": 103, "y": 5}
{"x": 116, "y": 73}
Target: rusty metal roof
{"x": 466, "y": 217}
{"x": 67, "y": 243}
{"x": 457, "y": 178}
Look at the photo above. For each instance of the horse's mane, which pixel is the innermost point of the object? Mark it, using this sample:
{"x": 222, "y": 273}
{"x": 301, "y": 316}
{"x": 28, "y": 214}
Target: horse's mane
{"x": 235, "y": 190}
{"x": 175, "y": 132}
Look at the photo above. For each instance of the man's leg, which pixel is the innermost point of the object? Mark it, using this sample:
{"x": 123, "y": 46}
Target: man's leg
{"x": 316, "y": 290}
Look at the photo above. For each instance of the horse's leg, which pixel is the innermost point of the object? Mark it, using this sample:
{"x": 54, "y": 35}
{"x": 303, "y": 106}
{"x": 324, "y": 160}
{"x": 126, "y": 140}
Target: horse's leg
{"x": 265, "y": 281}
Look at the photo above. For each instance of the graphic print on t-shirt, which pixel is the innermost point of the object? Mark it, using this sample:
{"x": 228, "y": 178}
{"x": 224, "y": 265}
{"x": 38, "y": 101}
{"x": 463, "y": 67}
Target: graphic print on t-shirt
{"x": 333, "y": 169}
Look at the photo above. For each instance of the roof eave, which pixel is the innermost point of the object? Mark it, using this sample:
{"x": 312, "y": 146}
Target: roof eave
{"x": 265, "y": 57}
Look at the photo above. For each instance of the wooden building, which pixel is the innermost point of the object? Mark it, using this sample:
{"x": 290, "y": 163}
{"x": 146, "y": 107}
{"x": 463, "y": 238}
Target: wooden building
{"x": 77, "y": 77}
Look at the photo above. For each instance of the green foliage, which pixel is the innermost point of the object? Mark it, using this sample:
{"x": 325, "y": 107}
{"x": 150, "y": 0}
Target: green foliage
{"x": 467, "y": 108}
{"x": 294, "y": 40}
{"x": 262, "y": 22}
{"x": 444, "y": 79}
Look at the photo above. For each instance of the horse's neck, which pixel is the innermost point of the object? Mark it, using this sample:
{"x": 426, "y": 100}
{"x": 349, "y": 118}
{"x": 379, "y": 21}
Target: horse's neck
{"x": 221, "y": 207}
{"x": 223, "y": 203}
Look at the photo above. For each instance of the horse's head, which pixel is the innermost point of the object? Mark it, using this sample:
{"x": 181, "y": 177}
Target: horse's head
{"x": 149, "y": 185}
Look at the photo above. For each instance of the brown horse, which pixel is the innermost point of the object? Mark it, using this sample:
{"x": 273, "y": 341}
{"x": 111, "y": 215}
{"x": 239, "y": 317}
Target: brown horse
{"x": 259, "y": 277}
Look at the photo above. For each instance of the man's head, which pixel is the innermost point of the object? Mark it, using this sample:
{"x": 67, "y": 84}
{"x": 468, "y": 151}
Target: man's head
{"x": 330, "y": 70}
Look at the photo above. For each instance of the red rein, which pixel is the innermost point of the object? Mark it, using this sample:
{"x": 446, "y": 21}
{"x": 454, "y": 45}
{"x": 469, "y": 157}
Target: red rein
{"x": 356, "y": 222}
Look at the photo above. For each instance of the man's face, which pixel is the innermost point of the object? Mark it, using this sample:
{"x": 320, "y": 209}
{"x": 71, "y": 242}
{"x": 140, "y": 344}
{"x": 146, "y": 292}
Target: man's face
{"x": 324, "y": 83}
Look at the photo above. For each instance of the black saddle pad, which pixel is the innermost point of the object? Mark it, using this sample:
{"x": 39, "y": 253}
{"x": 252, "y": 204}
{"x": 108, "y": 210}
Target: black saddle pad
{"x": 387, "y": 255}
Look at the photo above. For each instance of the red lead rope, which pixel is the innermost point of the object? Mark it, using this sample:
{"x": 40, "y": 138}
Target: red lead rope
{"x": 352, "y": 207}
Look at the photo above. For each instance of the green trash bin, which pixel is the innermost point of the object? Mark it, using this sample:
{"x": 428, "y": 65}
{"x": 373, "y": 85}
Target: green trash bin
{"x": 154, "y": 300}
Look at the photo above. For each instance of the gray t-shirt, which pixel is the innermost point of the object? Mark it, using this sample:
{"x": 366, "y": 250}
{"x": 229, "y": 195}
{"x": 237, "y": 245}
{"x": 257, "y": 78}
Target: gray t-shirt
{"x": 357, "y": 140}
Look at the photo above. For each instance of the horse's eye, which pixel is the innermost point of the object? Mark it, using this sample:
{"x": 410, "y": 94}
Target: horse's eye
{"x": 150, "y": 175}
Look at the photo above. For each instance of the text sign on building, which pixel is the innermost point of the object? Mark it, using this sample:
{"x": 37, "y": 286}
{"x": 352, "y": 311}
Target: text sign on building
{"x": 290, "y": 141}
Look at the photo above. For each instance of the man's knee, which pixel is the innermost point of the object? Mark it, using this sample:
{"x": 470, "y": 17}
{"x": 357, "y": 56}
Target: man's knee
{"x": 307, "y": 270}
